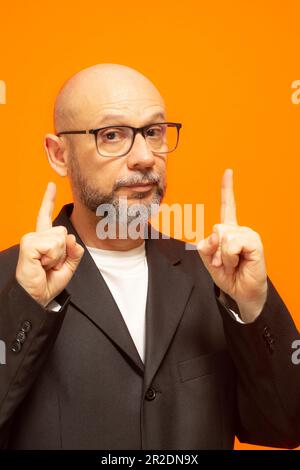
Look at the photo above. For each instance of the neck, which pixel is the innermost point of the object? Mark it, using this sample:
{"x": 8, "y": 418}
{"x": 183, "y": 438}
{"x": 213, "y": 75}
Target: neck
{"x": 85, "y": 222}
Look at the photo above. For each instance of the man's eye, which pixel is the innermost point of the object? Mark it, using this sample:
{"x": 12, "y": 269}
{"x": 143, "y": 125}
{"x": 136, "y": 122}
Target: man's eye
{"x": 110, "y": 136}
{"x": 154, "y": 132}
{"x": 113, "y": 135}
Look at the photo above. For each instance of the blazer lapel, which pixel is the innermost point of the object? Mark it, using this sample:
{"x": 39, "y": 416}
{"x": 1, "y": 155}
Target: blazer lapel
{"x": 169, "y": 289}
{"x": 91, "y": 295}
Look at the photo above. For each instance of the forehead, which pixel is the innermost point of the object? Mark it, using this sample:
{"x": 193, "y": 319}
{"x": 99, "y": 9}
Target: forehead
{"x": 134, "y": 112}
{"x": 98, "y": 99}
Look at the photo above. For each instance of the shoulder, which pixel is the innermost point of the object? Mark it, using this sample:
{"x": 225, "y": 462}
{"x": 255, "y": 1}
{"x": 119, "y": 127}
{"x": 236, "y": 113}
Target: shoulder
{"x": 9, "y": 254}
{"x": 8, "y": 262}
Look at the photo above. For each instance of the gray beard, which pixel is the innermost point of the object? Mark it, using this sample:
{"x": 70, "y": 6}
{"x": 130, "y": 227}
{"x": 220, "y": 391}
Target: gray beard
{"x": 92, "y": 198}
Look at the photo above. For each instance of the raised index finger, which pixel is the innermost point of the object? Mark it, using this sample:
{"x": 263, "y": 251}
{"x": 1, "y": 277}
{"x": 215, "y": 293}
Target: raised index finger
{"x": 44, "y": 219}
{"x": 228, "y": 207}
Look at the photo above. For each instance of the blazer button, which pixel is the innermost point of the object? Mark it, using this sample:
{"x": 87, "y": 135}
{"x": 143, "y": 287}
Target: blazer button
{"x": 150, "y": 394}
{"x": 26, "y": 326}
{"x": 266, "y": 332}
{"x": 16, "y": 346}
{"x": 21, "y": 336}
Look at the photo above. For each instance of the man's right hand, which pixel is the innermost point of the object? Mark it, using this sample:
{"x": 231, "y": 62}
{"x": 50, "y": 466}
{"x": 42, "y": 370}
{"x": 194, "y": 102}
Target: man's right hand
{"x": 48, "y": 257}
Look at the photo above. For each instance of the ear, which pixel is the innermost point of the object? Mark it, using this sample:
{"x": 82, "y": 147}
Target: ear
{"x": 57, "y": 153}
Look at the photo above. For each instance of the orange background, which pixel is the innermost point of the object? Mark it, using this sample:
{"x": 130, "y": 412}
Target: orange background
{"x": 225, "y": 69}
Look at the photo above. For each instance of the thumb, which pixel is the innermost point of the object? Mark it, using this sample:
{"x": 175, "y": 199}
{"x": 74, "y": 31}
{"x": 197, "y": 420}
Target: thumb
{"x": 208, "y": 247}
{"x": 74, "y": 252}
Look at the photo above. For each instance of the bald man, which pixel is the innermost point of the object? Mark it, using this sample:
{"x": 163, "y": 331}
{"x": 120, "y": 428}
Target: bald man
{"x": 134, "y": 342}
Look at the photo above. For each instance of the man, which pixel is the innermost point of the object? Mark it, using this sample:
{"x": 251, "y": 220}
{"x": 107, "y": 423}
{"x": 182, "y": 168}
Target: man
{"x": 126, "y": 343}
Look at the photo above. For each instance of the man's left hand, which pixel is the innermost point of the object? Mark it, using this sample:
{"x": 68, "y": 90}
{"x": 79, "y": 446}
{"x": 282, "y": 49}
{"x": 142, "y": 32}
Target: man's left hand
{"x": 233, "y": 255}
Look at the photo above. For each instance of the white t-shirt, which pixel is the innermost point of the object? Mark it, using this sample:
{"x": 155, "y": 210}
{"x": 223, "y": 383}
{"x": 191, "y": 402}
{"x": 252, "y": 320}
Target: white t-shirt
{"x": 126, "y": 274}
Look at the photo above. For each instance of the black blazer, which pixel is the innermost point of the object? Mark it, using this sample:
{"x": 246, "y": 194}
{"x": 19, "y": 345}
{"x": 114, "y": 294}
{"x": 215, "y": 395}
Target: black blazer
{"x": 77, "y": 381}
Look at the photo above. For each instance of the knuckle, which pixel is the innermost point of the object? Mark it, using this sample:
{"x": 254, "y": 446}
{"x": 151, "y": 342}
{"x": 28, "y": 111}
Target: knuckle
{"x": 257, "y": 236}
{"x": 62, "y": 243}
{"x": 226, "y": 237}
{"x": 254, "y": 235}
{"x": 61, "y": 229}
{"x": 51, "y": 244}
{"x": 217, "y": 228}
{"x": 26, "y": 239}
{"x": 232, "y": 250}
{"x": 58, "y": 243}
{"x": 259, "y": 241}
{"x": 246, "y": 229}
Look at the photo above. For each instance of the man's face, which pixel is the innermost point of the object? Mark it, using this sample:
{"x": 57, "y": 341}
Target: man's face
{"x": 139, "y": 176}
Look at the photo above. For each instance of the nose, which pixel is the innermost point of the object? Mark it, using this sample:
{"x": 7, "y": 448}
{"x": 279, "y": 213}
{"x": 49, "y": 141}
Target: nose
{"x": 140, "y": 155}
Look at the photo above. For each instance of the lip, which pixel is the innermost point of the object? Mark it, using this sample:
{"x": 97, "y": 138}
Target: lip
{"x": 140, "y": 187}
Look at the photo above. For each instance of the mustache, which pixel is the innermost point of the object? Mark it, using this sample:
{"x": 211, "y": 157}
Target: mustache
{"x": 137, "y": 178}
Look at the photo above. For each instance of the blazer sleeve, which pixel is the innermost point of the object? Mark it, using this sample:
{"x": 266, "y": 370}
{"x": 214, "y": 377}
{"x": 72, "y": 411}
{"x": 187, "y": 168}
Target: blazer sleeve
{"x": 268, "y": 383}
{"x": 28, "y": 331}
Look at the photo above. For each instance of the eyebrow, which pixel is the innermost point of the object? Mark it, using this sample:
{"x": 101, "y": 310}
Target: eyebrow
{"x": 120, "y": 119}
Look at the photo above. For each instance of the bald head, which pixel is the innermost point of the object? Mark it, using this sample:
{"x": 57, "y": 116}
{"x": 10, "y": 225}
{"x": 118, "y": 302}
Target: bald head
{"x": 102, "y": 88}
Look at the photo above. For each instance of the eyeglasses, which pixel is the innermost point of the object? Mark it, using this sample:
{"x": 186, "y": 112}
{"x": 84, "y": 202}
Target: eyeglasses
{"x": 117, "y": 141}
